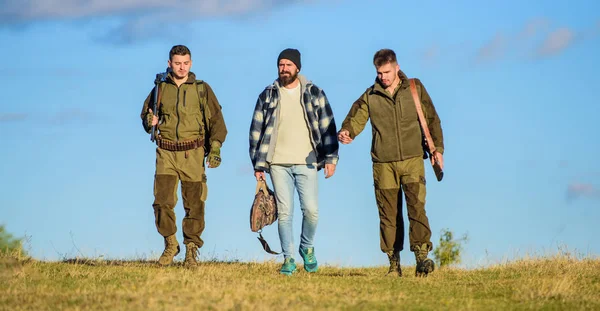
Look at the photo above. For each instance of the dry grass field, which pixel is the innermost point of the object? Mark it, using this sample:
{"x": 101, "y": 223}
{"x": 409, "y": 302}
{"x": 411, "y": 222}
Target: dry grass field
{"x": 551, "y": 283}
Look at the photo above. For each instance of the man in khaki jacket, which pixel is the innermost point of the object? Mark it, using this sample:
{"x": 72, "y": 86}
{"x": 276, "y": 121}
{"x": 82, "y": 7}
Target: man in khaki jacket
{"x": 189, "y": 121}
{"x": 397, "y": 153}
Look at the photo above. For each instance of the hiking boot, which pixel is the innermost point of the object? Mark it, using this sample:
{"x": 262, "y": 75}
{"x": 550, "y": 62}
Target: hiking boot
{"x": 424, "y": 264}
{"x": 288, "y": 267}
{"x": 395, "y": 269}
{"x": 310, "y": 261}
{"x": 171, "y": 250}
{"x": 191, "y": 251}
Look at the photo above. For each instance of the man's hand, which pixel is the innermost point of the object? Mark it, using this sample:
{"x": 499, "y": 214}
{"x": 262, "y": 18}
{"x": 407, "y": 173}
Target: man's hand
{"x": 154, "y": 120}
{"x": 259, "y": 175}
{"x": 329, "y": 170}
{"x": 437, "y": 157}
{"x": 214, "y": 156}
{"x": 344, "y": 137}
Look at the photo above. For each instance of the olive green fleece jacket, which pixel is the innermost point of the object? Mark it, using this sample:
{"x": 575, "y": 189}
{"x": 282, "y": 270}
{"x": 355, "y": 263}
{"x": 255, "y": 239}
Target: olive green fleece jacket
{"x": 397, "y": 134}
{"x": 180, "y": 116}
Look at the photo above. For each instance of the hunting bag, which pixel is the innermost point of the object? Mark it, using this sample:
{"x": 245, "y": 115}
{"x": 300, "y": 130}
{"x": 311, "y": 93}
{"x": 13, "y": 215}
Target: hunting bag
{"x": 263, "y": 212}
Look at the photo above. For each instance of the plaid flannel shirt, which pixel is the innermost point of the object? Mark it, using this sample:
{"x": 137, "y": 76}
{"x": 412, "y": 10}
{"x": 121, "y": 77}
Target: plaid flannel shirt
{"x": 321, "y": 123}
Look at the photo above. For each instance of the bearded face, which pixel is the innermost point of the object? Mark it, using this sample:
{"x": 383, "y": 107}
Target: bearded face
{"x": 288, "y": 72}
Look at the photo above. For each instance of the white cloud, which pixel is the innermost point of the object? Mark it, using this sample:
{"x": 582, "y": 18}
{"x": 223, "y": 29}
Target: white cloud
{"x": 576, "y": 190}
{"x": 556, "y": 41}
{"x": 12, "y": 11}
{"x": 431, "y": 54}
{"x": 11, "y": 117}
{"x": 493, "y": 50}
{"x": 71, "y": 115}
{"x": 533, "y": 27}
{"x": 139, "y": 19}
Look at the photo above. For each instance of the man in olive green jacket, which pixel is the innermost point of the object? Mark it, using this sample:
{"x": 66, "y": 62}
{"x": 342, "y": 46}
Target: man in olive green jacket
{"x": 397, "y": 152}
{"x": 189, "y": 118}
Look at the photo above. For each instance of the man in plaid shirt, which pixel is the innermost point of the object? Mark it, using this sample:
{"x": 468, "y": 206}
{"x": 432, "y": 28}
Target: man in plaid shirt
{"x": 292, "y": 136}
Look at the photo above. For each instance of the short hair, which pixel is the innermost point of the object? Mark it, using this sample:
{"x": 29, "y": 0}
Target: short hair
{"x": 383, "y": 57}
{"x": 179, "y": 50}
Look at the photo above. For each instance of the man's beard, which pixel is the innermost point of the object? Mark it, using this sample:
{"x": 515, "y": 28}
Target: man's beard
{"x": 383, "y": 84}
{"x": 177, "y": 76}
{"x": 286, "y": 80}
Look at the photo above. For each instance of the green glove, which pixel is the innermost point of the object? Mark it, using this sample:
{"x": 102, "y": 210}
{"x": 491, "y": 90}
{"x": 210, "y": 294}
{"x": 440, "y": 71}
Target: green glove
{"x": 149, "y": 117}
{"x": 214, "y": 156}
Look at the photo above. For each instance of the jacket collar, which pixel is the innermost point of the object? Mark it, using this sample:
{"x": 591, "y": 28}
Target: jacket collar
{"x": 404, "y": 83}
{"x": 191, "y": 78}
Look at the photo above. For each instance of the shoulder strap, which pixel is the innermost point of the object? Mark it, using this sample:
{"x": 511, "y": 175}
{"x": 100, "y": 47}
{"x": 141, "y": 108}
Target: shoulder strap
{"x": 201, "y": 90}
{"x": 265, "y": 245}
{"x": 439, "y": 174}
{"x": 161, "y": 87}
{"x": 422, "y": 121}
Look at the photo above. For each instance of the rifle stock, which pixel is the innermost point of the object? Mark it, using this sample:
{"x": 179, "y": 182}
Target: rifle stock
{"x": 437, "y": 169}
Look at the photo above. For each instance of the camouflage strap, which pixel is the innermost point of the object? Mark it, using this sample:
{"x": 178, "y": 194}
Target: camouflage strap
{"x": 179, "y": 145}
{"x": 261, "y": 185}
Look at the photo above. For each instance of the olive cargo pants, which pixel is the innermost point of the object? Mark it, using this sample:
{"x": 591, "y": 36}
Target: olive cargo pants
{"x": 390, "y": 180}
{"x": 171, "y": 167}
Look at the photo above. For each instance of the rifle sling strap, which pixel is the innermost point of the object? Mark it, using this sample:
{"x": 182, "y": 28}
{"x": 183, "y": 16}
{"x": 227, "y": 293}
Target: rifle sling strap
{"x": 158, "y": 98}
{"x": 422, "y": 121}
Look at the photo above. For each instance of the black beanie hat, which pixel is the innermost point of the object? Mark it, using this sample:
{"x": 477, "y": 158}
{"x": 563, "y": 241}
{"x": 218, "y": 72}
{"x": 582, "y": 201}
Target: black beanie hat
{"x": 291, "y": 54}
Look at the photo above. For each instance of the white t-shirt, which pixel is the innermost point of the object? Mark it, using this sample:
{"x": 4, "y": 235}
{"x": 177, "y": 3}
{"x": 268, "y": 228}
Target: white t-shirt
{"x": 293, "y": 141}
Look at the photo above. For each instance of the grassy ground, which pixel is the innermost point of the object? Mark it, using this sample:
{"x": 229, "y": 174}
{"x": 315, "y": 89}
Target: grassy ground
{"x": 545, "y": 283}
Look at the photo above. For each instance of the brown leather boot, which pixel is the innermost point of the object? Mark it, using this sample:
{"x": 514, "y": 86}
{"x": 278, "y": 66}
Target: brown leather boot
{"x": 424, "y": 264}
{"x": 395, "y": 269}
{"x": 171, "y": 250}
{"x": 191, "y": 251}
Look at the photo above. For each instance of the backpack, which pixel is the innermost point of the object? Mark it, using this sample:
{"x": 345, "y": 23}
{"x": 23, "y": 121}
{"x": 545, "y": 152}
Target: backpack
{"x": 263, "y": 212}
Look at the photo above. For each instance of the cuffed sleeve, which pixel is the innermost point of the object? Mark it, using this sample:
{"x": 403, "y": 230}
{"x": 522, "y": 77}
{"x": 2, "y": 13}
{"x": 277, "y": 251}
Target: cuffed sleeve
{"x": 218, "y": 129}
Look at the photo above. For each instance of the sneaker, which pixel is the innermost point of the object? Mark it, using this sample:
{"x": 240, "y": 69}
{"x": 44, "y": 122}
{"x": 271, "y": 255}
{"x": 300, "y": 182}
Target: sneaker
{"x": 171, "y": 250}
{"x": 288, "y": 267}
{"x": 310, "y": 261}
{"x": 395, "y": 269}
{"x": 191, "y": 251}
{"x": 424, "y": 264}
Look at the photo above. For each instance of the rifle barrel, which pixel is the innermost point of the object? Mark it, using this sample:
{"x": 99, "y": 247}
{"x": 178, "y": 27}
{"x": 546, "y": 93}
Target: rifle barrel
{"x": 160, "y": 77}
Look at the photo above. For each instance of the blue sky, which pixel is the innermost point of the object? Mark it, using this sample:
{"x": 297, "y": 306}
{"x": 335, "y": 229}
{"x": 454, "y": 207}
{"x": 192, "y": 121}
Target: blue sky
{"x": 514, "y": 84}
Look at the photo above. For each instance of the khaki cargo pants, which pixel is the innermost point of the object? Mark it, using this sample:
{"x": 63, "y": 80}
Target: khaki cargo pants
{"x": 171, "y": 167}
{"x": 391, "y": 179}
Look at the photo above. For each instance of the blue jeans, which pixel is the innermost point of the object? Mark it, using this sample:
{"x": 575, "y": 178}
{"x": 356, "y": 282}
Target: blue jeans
{"x": 304, "y": 178}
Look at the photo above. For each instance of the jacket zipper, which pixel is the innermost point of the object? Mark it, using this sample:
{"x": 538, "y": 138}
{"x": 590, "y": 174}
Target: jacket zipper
{"x": 177, "y": 110}
{"x": 396, "y": 125}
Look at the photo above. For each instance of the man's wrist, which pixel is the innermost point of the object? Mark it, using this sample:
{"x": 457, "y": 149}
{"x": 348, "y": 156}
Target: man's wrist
{"x": 215, "y": 145}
